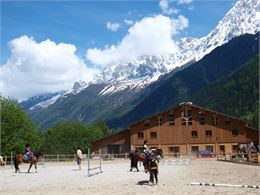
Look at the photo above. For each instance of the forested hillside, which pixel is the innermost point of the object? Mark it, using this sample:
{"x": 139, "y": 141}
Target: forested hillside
{"x": 236, "y": 95}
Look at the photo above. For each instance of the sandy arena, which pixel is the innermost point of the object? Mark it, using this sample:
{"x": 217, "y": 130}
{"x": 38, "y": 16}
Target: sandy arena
{"x": 63, "y": 178}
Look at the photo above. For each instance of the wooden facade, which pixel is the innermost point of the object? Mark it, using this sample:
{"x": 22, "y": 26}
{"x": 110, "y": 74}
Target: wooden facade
{"x": 183, "y": 129}
{"x": 117, "y": 143}
{"x": 188, "y": 128}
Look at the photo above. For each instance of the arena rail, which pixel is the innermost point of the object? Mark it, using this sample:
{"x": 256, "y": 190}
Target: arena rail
{"x": 241, "y": 158}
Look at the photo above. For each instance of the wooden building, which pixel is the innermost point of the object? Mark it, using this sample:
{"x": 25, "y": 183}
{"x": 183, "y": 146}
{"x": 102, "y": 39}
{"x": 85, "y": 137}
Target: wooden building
{"x": 116, "y": 143}
{"x": 189, "y": 128}
{"x": 184, "y": 129}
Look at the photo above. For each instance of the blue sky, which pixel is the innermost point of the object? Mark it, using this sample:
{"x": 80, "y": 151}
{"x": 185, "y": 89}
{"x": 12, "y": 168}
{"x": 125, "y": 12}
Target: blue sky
{"x": 83, "y": 23}
{"x": 48, "y": 45}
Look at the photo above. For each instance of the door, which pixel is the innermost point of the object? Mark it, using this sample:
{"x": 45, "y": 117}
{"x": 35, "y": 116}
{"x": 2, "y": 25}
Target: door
{"x": 113, "y": 149}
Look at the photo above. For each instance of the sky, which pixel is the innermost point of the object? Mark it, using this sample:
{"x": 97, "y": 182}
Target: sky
{"x": 48, "y": 45}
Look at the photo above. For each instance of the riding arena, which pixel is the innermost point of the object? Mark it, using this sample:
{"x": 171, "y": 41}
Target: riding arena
{"x": 106, "y": 174}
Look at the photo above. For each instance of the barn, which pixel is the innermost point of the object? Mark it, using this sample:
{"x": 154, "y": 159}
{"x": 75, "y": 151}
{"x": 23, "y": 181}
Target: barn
{"x": 183, "y": 129}
{"x": 117, "y": 143}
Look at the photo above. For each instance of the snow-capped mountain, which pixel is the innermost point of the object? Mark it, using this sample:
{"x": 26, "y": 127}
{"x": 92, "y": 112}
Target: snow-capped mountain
{"x": 133, "y": 76}
{"x": 41, "y": 101}
{"x": 45, "y": 100}
{"x": 241, "y": 19}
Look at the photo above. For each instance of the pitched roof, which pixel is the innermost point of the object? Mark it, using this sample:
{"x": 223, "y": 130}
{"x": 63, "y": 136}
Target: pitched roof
{"x": 110, "y": 135}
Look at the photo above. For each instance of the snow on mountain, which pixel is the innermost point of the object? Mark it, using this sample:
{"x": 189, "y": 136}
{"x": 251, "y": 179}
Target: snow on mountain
{"x": 46, "y": 103}
{"x": 241, "y": 19}
{"x": 48, "y": 99}
{"x": 131, "y": 86}
{"x": 77, "y": 87}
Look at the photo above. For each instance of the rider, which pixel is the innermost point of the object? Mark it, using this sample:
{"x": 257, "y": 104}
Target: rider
{"x": 28, "y": 153}
{"x": 146, "y": 152}
{"x": 145, "y": 147}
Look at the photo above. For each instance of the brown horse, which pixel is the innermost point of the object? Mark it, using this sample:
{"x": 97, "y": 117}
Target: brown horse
{"x": 18, "y": 159}
{"x": 144, "y": 157}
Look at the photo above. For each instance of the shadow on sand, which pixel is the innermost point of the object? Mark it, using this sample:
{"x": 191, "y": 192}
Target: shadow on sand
{"x": 143, "y": 182}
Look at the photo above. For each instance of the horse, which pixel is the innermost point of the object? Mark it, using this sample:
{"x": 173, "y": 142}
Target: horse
{"x": 2, "y": 162}
{"x": 136, "y": 156}
{"x": 18, "y": 159}
{"x": 134, "y": 160}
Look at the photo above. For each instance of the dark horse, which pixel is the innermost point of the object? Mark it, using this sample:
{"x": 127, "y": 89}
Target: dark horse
{"x": 136, "y": 156}
{"x": 133, "y": 155}
{"x": 18, "y": 159}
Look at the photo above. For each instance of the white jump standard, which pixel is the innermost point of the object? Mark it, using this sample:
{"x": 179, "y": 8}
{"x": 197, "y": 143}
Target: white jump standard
{"x": 94, "y": 168}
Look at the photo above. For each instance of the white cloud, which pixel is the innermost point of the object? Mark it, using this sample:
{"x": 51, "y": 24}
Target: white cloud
{"x": 129, "y": 22}
{"x": 179, "y": 24}
{"x": 184, "y": 1}
{"x": 149, "y": 36}
{"x": 113, "y": 26}
{"x": 34, "y": 68}
{"x": 164, "y": 5}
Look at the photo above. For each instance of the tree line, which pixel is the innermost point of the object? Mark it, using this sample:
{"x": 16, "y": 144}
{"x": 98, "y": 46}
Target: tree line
{"x": 17, "y": 129}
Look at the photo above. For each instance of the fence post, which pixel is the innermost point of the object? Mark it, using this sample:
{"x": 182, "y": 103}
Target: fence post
{"x": 100, "y": 160}
{"x": 88, "y": 160}
{"x": 11, "y": 159}
{"x": 43, "y": 162}
{"x": 58, "y": 158}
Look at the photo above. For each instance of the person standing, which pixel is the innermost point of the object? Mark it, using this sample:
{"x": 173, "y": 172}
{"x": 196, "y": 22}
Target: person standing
{"x": 153, "y": 167}
{"x": 79, "y": 157}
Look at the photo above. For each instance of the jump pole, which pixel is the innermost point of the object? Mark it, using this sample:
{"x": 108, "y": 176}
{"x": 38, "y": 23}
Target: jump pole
{"x": 100, "y": 170}
{"x": 224, "y": 185}
{"x": 88, "y": 161}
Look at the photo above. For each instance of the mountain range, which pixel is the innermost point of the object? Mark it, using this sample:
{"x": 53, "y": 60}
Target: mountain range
{"x": 127, "y": 91}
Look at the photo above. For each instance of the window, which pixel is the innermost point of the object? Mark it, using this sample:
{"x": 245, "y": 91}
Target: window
{"x": 208, "y": 133}
{"x": 159, "y": 121}
{"x": 227, "y": 121}
{"x": 174, "y": 149}
{"x": 235, "y": 148}
{"x": 153, "y": 135}
{"x": 209, "y": 148}
{"x": 194, "y": 134}
{"x": 171, "y": 119}
{"x": 140, "y": 135}
{"x": 146, "y": 123}
{"x": 202, "y": 118}
{"x": 186, "y": 117}
{"x": 113, "y": 148}
{"x": 235, "y": 132}
{"x": 194, "y": 148}
{"x": 222, "y": 148}
{"x": 214, "y": 120}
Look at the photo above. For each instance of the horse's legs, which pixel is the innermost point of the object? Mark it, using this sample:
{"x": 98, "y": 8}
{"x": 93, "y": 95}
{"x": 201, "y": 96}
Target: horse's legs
{"x": 136, "y": 166}
{"x": 16, "y": 166}
{"x": 30, "y": 167}
{"x": 35, "y": 165}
